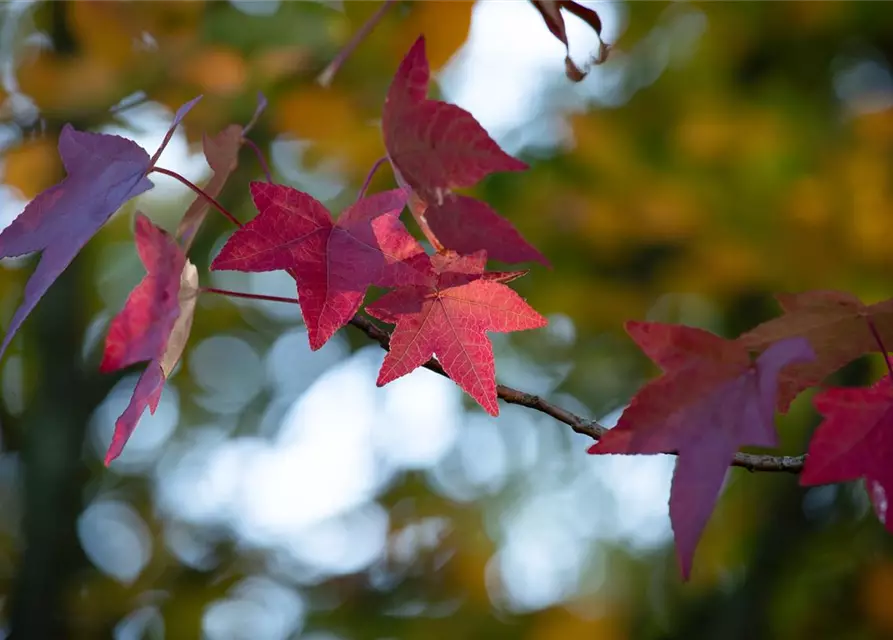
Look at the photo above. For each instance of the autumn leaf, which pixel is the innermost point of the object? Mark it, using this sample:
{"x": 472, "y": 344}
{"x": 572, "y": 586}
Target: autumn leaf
{"x": 434, "y": 146}
{"x": 550, "y": 10}
{"x": 709, "y": 402}
{"x": 153, "y": 325}
{"x": 222, "y": 153}
{"x": 104, "y": 172}
{"x": 855, "y": 440}
{"x": 838, "y": 326}
{"x": 447, "y": 315}
{"x": 333, "y": 262}
{"x": 467, "y": 225}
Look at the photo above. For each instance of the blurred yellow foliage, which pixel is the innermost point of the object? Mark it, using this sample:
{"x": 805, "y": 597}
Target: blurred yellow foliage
{"x": 599, "y": 144}
{"x": 215, "y": 70}
{"x": 445, "y": 26}
{"x": 106, "y": 30}
{"x": 69, "y": 84}
{"x": 272, "y": 65}
{"x": 808, "y": 202}
{"x": 328, "y": 118}
{"x": 810, "y": 16}
{"x": 667, "y": 212}
{"x": 599, "y": 302}
{"x": 718, "y": 266}
{"x": 561, "y": 624}
{"x": 877, "y": 595}
{"x": 870, "y": 224}
{"x": 705, "y": 136}
{"x": 761, "y": 135}
{"x": 468, "y": 569}
{"x": 31, "y": 166}
{"x": 875, "y": 128}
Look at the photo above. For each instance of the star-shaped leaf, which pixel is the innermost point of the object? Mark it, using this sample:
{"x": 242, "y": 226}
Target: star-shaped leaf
{"x": 434, "y": 146}
{"x": 710, "y": 401}
{"x": 838, "y": 326}
{"x": 447, "y": 315}
{"x": 153, "y": 325}
{"x": 855, "y": 440}
{"x": 467, "y": 225}
{"x": 333, "y": 262}
{"x": 104, "y": 172}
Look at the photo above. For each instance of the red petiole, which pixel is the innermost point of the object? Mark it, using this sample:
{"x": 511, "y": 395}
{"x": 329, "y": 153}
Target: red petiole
{"x": 248, "y": 296}
{"x": 199, "y": 191}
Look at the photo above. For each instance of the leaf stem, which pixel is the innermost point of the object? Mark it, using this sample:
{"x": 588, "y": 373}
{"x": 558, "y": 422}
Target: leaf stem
{"x": 328, "y": 74}
{"x": 419, "y": 207}
{"x": 880, "y": 343}
{"x": 579, "y": 424}
{"x": 375, "y": 167}
{"x": 260, "y": 157}
{"x": 589, "y": 428}
{"x": 261, "y": 106}
{"x": 199, "y": 191}
{"x": 249, "y": 296}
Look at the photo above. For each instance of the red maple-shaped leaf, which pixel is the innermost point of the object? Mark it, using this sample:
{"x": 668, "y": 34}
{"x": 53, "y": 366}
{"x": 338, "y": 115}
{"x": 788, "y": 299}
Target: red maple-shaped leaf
{"x": 467, "y": 225}
{"x": 447, "y": 314}
{"x": 839, "y": 327}
{"x": 855, "y": 440}
{"x": 104, "y": 172}
{"x": 434, "y": 146}
{"x": 153, "y": 325}
{"x": 333, "y": 262}
{"x": 710, "y": 401}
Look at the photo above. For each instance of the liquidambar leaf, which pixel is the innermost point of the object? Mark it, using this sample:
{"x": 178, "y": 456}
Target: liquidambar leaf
{"x": 838, "y": 326}
{"x": 104, "y": 172}
{"x": 434, "y": 146}
{"x": 447, "y": 314}
{"x": 855, "y": 440}
{"x": 222, "y": 153}
{"x": 333, "y": 262}
{"x": 153, "y": 325}
{"x": 710, "y": 401}
{"x": 467, "y": 225}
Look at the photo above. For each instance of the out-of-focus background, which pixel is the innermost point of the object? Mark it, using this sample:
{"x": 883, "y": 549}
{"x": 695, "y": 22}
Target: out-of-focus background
{"x": 725, "y": 151}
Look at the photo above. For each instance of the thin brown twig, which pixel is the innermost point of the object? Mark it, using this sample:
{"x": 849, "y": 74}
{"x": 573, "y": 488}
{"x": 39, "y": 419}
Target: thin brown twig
{"x": 590, "y": 428}
{"x": 325, "y": 78}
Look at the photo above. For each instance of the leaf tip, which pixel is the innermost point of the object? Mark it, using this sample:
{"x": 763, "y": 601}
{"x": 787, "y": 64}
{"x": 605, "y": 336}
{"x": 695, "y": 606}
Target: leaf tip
{"x": 317, "y": 338}
{"x": 572, "y": 71}
{"x": 111, "y": 455}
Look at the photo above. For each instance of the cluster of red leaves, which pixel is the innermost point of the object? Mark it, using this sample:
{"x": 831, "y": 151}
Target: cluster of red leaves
{"x": 442, "y": 304}
{"x": 712, "y": 398}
